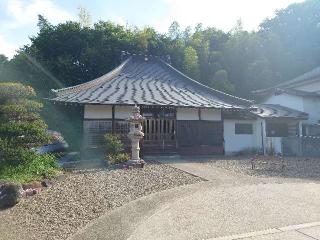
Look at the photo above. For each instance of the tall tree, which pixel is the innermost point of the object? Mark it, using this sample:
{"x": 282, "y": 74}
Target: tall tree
{"x": 84, "y": 17}
{"x": 21, "y": 125}
{"x": 70, "y": 53}
{"x": 298, "y": 30}
{"x": 220, "y": 82}
{"x": 190, "y": 62}
{"x": 3, "y": 65}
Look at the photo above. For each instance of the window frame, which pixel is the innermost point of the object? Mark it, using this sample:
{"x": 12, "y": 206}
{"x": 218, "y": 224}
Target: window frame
{"x": 247, "y": 130}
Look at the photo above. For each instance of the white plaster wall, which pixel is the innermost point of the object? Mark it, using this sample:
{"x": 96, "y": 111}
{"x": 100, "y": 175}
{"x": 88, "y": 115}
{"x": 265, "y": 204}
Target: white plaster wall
{"x": 210, "y": 114}
{"x": 237, "y": 142}
{"x": 122, "y": 112}
{"x": 187, "y": 114}
{"x": 312, "y": 107}
{"x": 295, "y": 102}
{"x": 97, "y": 111}
{"x": 310, "y": 87}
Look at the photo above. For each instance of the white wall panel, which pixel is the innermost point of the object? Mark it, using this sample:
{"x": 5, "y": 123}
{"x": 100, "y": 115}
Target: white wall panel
{"x": 210, "y": 114}
{"x": 187, "y": 114}
{"x": 237, "y": 142}
{"x": 122, "y": 112}
{"x": 97, "y": 111}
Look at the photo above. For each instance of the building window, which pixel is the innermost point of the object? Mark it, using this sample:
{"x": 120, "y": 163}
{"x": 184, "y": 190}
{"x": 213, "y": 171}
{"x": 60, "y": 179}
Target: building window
{"x": 277, "y": 129}
{"x": 243, "y": 128}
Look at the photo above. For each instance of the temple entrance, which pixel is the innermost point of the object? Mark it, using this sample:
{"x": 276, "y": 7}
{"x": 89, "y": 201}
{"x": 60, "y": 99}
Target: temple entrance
{"x": 159, "y": 128}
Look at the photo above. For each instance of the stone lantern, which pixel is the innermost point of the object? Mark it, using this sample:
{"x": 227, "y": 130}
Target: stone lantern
{"x": 135, "y": 134}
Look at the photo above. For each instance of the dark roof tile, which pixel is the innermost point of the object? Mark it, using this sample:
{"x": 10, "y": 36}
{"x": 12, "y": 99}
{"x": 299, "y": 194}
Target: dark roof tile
{"x": 152, "y": 82}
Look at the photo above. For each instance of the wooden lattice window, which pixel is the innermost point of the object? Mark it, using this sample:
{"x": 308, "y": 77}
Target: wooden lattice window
{"x": 94, "y": 130}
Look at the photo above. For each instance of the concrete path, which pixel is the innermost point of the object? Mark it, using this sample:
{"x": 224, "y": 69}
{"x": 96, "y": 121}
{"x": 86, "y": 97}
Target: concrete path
{"x": 197, "y": 168}
{"x": 296, "y": 232}
{"x": 228, "y": 206}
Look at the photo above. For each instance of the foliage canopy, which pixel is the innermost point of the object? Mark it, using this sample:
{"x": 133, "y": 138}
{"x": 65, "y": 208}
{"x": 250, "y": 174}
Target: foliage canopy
{"x": 22, "y": 128}
{"x": 75, "y": 52}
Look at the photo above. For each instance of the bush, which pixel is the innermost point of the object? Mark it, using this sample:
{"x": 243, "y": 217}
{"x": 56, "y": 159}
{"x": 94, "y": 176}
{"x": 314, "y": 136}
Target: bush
{"x": 117, "y": 158}
{"x": 21, "y": 128}
{"x": 115, "y": 150}
{"x": 114, "y": 145}
{"x": 41, "y": 166}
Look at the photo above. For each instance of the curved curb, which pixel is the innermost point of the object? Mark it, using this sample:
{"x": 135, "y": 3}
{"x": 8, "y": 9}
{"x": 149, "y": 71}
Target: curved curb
{"x": 121, "y": 222}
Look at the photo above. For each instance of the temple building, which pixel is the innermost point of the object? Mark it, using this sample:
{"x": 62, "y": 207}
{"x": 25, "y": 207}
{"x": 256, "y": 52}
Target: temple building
{"x": 181, "y": 115}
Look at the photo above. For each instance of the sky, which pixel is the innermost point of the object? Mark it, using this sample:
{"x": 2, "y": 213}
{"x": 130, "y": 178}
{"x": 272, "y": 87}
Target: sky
{"x": 18, "y": 18}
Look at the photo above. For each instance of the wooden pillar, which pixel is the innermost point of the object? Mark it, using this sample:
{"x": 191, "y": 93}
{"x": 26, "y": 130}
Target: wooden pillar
{"x": 263, "y": 136}
{"x": 113, "y": 121}
{"x": 176, "y": 128}
{"x": 199, "y": 126}
{"x": 222, "y": 122}
{"x": 300, "y": 133}
{"x": 83, "y": 144}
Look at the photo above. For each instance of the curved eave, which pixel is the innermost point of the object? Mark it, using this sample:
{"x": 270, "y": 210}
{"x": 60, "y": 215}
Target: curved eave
{"x": 92, "y": 83}
{"x": 143, "y": 104}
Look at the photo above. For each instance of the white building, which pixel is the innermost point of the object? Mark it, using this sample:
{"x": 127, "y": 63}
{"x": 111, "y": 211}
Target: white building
{"x": 302, "y": 94}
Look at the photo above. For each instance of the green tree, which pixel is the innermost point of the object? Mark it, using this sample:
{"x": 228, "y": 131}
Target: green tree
{"x": 21, "y": 126}
{"x": 3, "y": 65}
{"x": 21, "y": 129}
{"x": 190, "y": 62}
{"x": 298, "y": 30}
{"x": 84, "y": 18}
{"x": 174, "y": 30}
{"x": 220, "y": 82}
{"x": 68, "y": 53}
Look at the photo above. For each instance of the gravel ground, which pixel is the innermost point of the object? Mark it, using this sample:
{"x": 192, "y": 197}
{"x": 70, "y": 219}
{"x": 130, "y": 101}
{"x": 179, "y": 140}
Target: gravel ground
{"x": 298, "y": 168}
{"x": 77, "y": 198}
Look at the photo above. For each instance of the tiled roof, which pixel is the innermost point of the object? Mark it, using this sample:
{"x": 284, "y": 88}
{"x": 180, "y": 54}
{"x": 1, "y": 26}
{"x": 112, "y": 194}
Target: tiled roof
{"x": 147, "y": 81}
{"x": 307, "y": 77}
{"x": 278, "y": 91}
{"x": 297, "y": 92}
{"x": 277, "y": 111}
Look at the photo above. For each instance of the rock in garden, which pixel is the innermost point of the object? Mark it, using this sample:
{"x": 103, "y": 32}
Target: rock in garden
{"x": 32, "y": 185}
{"x": 10, "y": 194}
{"x": 46, "y": 183}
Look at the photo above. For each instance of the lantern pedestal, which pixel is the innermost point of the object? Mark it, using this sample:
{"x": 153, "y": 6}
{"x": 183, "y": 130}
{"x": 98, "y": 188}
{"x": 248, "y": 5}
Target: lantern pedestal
{"x": 135, "y": 135}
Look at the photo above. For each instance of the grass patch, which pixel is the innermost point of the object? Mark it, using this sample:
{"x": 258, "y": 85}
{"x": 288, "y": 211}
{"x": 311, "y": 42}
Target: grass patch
{"x": 42, "y": 166}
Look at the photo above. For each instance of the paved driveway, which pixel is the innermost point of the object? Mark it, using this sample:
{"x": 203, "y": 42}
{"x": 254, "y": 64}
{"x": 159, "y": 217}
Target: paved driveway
{"x": 228, "y": 206}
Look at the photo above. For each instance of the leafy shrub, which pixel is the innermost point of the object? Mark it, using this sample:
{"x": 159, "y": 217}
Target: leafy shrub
{"x": 115, "y": 149}
{"x": 114, "y": 144}
{"x": 21, "y": 128}
{"x": 117, "y": 158}
{"x": 10, "y": 155}
{"x": 41, "y": 166}
{"x": 10, "y": 90}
